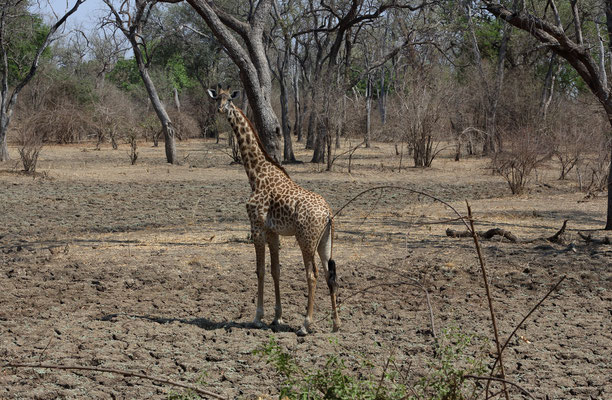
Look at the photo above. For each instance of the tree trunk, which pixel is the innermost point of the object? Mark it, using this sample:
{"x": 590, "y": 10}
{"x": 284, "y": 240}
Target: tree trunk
{"x": 288, "y": 155}
{"x": 342, "y": 128}
{"x": 329, "y": 152}
{"x": 310, "y": 132}
{"x": 609, "y": 211}
{"x": 252, "y": 62}
{"x": 4, "y": 154}
{"x": 549, "y": 85}
{"x": 177, "y": 102}
{"x": 159, "y": 108}
{"x": 368, "y": 105}
{"x": 382, "y": 98}
{"x": 490, "y": 96}
{"x": 297, "y": 107}
{"x": 320, "y": 142}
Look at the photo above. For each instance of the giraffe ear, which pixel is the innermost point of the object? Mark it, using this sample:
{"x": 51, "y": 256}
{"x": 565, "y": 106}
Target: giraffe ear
{"x": 212, "y": 93}
{"x": 235, "y": 94}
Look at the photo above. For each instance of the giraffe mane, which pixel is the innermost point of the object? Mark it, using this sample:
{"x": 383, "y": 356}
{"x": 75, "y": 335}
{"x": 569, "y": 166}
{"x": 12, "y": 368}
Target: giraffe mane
{"x": 260, "y": 144}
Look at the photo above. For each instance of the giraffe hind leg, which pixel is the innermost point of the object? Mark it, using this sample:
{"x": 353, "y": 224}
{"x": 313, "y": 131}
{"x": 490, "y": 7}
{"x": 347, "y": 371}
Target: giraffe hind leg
{"x": 311, "y": 277}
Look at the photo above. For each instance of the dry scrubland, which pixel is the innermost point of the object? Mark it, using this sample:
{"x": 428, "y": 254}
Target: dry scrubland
{"x": 148, "y": 268}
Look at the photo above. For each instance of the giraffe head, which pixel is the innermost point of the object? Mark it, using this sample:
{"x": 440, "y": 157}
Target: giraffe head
{"x": 224, "y": 97}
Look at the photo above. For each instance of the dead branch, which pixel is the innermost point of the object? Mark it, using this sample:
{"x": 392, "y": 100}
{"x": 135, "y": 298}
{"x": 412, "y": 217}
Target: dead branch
{"x": 483, "y": 269}
{"x": 557, "y": 237}
{"x": 591, "y": 240}
{"x": 525, "y": 319}
{"x": 483, "y": 234}
{"x": 504, "y": 381}
{"x": 118, "y": 372}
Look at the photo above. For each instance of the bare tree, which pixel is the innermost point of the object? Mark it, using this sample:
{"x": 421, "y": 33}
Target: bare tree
{"x": 282, "y": 33}
{"x": 106, "y": 48}
{"x": 131, "y": 20}
{"x": 250, "y": 58}
{"x": 491, "y": 91}
{"x": 10, "y": 12}
{"x": 337, "y": 27}
{"x": 577, "y": 54}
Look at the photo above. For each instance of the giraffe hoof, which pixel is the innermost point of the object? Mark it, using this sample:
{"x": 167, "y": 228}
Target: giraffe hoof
{"x": 302, "y": 332}
{"x": 277, "y": 322}
{"x": 336, "y": 328}
{"x": 258, "y": 324}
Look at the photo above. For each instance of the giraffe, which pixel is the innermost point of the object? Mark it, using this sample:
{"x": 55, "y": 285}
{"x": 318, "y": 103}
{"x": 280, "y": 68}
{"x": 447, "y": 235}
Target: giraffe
{"x": 279, "y": 206}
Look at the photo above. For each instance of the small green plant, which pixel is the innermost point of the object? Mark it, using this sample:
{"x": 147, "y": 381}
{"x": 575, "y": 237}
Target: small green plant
{"x": 452, "y": 364}
{"x": 332, "y": 381}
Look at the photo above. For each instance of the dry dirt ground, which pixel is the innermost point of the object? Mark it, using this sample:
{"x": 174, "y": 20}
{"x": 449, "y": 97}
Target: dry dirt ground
{"x": 148, "y": 268}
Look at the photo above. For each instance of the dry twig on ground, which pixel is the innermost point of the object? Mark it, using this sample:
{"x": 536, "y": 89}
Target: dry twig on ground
{"x": 118, "y": 372}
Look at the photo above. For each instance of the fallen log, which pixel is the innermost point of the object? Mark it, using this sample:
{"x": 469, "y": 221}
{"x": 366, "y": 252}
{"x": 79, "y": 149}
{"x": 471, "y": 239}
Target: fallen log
{"x": 483, "y": 234}
{"x": 591, "y": 240}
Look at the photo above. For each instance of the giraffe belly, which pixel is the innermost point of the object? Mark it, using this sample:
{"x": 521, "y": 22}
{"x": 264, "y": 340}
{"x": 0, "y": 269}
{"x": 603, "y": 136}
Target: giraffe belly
{"x": 280, "y": 226}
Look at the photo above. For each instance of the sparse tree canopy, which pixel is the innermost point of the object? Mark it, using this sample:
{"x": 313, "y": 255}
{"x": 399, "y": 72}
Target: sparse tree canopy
{"x": 483, "y": 77}
{"x": 23, "y": 47}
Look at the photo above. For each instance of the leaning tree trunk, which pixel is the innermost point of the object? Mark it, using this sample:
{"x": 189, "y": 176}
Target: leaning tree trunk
{"x": 252, "y": 62}
{"x": 160, "y": 110}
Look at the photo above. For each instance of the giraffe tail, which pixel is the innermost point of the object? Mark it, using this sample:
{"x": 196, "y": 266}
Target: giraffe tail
{"x": 331, "y": 264}
{"x": 331, "y": 278}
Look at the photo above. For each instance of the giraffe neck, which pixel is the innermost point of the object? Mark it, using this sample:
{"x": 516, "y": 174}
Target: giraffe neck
{"x": 254, "y": 159}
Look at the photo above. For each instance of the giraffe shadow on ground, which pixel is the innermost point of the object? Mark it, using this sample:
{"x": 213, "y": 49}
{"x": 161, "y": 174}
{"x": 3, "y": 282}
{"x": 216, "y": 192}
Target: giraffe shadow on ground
{"x": 203, "y": 323}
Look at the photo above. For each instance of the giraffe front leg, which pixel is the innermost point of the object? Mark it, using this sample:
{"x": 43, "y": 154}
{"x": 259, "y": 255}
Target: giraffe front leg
{"x": 260, "y": 254}
{"x": 274, "y": 244}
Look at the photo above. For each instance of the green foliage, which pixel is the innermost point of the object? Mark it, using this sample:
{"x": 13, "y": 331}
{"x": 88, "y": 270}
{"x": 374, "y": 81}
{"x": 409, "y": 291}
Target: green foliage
{"x": 177, "y": 73}
{"x": 489, "y": 36}
{"x": 447, "y": 376}
{"x": 332, "y": 381}
{"x": 77, "y": 90}
{"x": 570, "y": 81}
{"x": 125, "y": 74}
{"x": 26, "y": 34}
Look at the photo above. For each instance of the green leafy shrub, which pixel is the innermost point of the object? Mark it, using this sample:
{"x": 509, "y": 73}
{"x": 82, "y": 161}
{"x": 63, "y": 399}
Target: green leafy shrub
{"x": 446, "y": 378}
{"x": 332, "y": 381}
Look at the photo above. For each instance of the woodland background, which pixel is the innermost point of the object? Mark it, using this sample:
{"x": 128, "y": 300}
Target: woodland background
{"x": 424, "y": 76}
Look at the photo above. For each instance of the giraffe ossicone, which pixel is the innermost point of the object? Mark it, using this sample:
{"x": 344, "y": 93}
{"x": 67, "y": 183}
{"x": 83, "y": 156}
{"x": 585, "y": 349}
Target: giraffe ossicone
{"x": 279, "y": 206}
